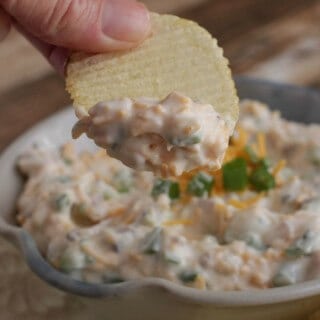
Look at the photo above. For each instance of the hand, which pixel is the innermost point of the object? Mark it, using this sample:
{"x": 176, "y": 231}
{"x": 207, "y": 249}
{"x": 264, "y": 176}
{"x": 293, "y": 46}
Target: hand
{"x": 56, "y": 27}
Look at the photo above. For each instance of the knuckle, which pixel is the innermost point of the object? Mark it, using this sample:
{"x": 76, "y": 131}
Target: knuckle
{"x": 66, "y": 14}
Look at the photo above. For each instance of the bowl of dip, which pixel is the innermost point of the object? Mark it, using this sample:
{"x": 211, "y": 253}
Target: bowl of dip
{"x": 261, "y": 264}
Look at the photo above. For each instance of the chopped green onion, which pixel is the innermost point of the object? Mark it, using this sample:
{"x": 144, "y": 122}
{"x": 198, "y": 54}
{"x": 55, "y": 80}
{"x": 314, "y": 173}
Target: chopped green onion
{"x": 235, "y": 177}
{"x": 261, "y": 179}
{"x": 251, "y": 154}
{"x": 200, "y": 185}
{"x": 61, "y": 202}
{"x": 72, "y": 259}
{"x": 170, "y": 258}
{"x": 185, "y": 141}
{"x": 286, "y": 275}
{"x": 123, "y": 181}
{"x": 64, "y": 179}
{"x": 67, "y": 161}
{"x": 153, "y": 241}
{"x": 282, "y": 279}
{"x": 124, "y": 188}
{"x": 303, "y": 246}
{"x": 89, "y": 260}
{"x": 188, "y": 276}
{"x": 255, "y": 241}
{"x": 294, "y": 252}
{"x": 174, "y": 191}
{"x": 65, "y": 264}
{"x": 108, "y": 192}
{"x": 106, "y": 196}
{"x": 265, "y": 163}
{"x": 314, "y": 156}
{"x": 171, "y": 188}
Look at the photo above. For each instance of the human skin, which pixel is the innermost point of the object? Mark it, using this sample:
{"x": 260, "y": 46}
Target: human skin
{"x": 56, "y": 27}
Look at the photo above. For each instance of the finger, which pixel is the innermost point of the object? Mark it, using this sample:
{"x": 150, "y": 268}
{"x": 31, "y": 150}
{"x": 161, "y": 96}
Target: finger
{"x": 4, "y": 24}
{"x": 88, "y": 25}
{"x": 57, "y": 56}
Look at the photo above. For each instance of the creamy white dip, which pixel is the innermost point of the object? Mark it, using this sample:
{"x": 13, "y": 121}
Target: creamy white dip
{"x": 99, "y": 221}
{"x": 166, "y": 137}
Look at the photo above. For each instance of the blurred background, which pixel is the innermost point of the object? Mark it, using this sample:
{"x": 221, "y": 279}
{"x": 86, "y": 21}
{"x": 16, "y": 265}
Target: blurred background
{"x": 272, "y": 39}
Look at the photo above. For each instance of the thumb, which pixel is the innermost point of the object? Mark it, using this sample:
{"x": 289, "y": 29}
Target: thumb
{"x": 87, "y": 25}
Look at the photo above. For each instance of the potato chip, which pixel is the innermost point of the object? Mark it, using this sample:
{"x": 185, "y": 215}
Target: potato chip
{"x": 178, "y": 56}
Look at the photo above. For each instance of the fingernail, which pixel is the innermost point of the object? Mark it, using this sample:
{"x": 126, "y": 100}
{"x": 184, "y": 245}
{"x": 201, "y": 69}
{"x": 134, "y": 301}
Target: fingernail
{"x": 59, "y": 58}
{"x": 125, "y": 20}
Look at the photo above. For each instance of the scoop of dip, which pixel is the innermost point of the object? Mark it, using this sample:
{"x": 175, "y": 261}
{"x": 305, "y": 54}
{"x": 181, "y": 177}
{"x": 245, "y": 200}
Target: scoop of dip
{"x": 102, "y": 222}
{"x": 167, "y": 137}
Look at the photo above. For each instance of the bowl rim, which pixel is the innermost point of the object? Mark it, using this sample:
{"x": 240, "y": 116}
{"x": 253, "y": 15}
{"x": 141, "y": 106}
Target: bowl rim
{"x": 24, "y": 241}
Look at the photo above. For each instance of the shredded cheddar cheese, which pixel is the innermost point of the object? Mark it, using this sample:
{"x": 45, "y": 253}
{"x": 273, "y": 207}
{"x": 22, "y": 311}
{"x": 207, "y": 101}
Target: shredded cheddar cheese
{"x": 262, "y": 145}
{"x": 280, "y": 165}
{"x": 242, "y": 138}
{"x": 237, "y": 149}
{"x": 185, "y": 222}
{"x": 245, "y": 204}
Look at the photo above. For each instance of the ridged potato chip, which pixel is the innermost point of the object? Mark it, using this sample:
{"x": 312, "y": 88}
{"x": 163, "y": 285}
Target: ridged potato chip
{"x": 178, "y": 56}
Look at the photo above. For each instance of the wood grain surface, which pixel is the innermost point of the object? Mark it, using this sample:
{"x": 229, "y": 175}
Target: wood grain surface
{"x": 272, "y": 39}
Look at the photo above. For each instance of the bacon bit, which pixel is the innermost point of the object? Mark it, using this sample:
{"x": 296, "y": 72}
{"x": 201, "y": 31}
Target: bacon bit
{"x": 116, "y": 213}
{"x": 121, "y": 114}
{"x": 130, "y": 218}
{"x": 188, "y": 130}
{"x": 280, "y": 165}
{"x": 135, "y": 257}
{"x": 186, "y": 222}
{"x": 158, "y": 109}
{"x": 262, "y": 149}
{"x": 244, "y": 204}
{"x": 245, "y": 256}
{"x": 257, "y": 281}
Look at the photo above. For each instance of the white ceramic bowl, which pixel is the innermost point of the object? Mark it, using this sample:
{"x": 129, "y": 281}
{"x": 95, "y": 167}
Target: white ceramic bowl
{"x": 155, "y": 298}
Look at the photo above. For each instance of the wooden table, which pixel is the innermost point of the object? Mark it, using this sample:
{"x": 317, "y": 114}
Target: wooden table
{"x": 273, "y": 39}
